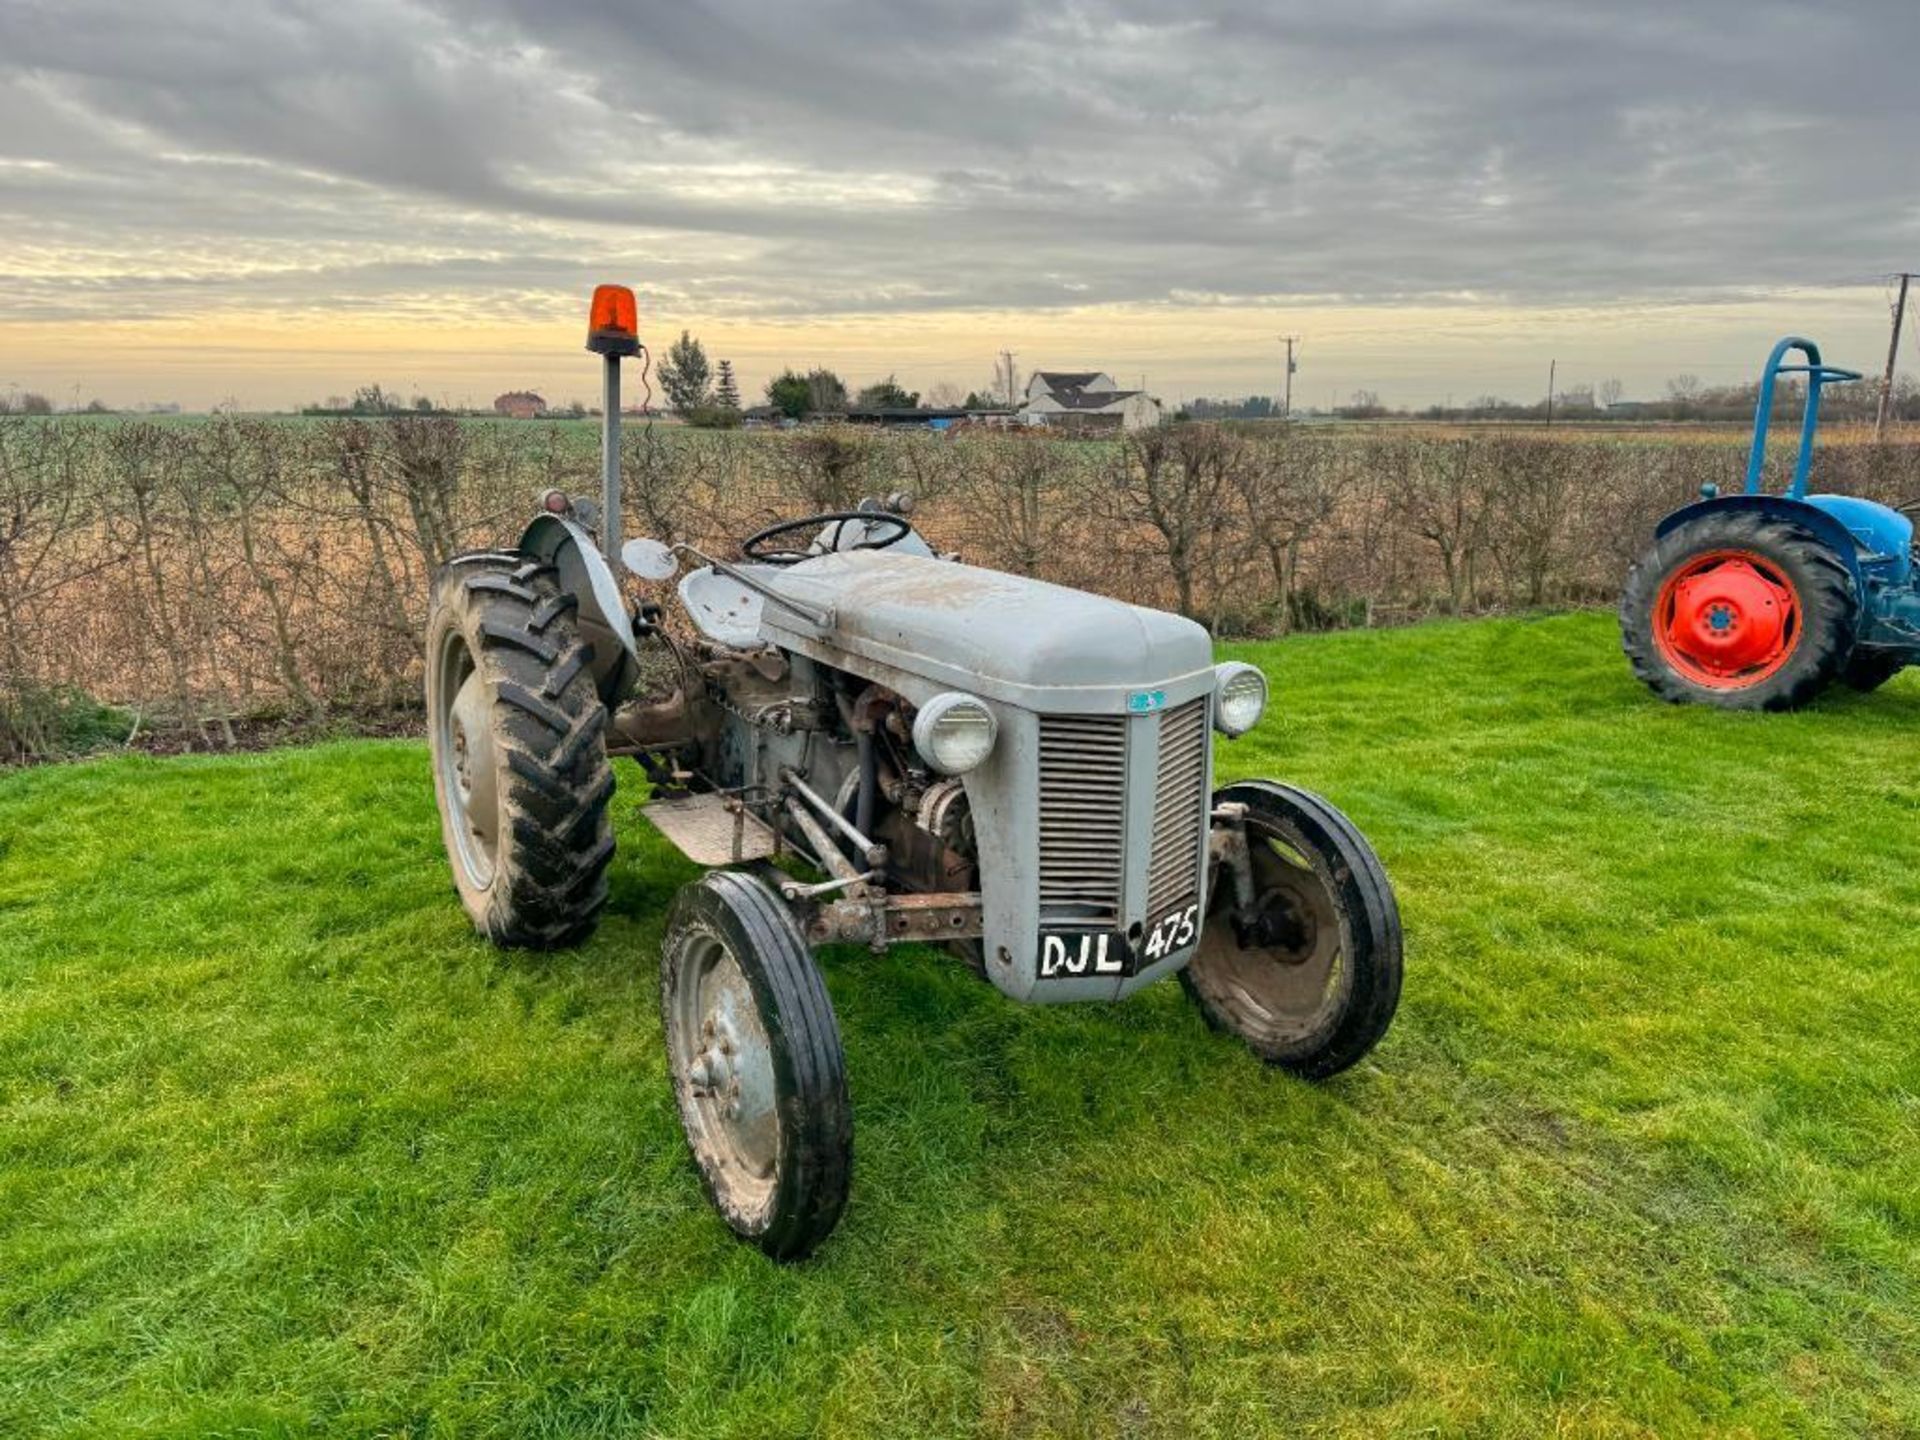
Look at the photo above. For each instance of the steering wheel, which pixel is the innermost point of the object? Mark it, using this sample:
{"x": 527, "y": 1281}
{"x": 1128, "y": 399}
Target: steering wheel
{"x": 758, "y": 546}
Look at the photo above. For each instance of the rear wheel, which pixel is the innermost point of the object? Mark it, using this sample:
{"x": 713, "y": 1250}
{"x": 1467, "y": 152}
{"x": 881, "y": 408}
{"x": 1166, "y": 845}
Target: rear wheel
{"x": 520, "y": 766}
{"x": 758, "y": 1072}
{"x": 1741, "y": 610}
{"x": 1308, "y": 974}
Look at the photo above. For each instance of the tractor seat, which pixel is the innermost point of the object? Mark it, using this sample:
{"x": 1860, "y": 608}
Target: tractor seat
{"x": 722, "y": 609}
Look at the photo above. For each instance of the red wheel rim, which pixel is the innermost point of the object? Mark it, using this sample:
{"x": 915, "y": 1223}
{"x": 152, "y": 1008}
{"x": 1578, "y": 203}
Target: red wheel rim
{"x": 1727, "y": 619}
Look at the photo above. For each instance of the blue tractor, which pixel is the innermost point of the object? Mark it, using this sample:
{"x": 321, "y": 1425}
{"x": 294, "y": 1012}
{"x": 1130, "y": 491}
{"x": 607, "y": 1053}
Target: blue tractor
{"x": 1758, "y": 602}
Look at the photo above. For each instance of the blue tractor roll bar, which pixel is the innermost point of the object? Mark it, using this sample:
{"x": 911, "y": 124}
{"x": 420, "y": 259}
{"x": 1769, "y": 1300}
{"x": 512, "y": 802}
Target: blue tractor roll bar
{"x": 1818, "y": 375}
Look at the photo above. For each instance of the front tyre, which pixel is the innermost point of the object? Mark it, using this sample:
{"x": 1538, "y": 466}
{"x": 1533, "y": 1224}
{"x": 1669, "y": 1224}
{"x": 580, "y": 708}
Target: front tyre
{"x": 1308, "y": 973}
{"x": 1739, "y": 609}
{"x": 758, "y": 1072}
{"x": 520, "y": 766}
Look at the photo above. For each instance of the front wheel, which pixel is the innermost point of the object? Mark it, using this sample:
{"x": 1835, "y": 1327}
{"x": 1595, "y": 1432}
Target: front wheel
{"x": 1306, "y": 967}
{"x": 757, "y": 1067}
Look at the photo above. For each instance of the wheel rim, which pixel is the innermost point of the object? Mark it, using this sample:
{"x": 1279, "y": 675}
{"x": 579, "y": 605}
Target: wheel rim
{"x": 1727, "y": 619}
{"x": 1284, "y": 970}
{"x": 463, "y": 731}
{"x": 721, "y": 1054}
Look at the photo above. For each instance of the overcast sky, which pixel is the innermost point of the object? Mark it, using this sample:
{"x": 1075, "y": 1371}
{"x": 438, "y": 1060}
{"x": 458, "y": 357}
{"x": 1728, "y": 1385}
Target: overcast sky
{"x": 273, "y": 200}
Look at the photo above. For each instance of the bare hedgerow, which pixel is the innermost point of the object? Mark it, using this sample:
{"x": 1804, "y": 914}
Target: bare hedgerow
{"x": 1535, "y": 491}
{"x": 1289, "y": 488}
{"x": 930, "y": 469}
{"x": 380, "y": 588}
{"x": 1446, "y": 495}
{"x": 200, "y": 574}
{"x": 40, "y": 498}
{"x": 423, "y": 456}
{"x": 1016, "y": 502}
{"x": 252, "y": 472}
{"x": 827, "y": 467}
{"x": 144, "y": 519}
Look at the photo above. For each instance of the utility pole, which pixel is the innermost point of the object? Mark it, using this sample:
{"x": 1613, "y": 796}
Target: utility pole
{"x": 1893, "y": 354}
{"x": 1007, "y": 357}
{"x": 1553, "y": 369}
{"x": 1286, "y": 404}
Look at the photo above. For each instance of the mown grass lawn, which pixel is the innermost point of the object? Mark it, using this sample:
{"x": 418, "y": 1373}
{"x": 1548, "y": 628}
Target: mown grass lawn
{"x": 284, "y": 1148}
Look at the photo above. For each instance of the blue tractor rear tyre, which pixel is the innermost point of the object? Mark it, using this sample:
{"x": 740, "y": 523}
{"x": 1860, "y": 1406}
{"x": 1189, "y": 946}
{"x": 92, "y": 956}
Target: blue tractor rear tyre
{"x": 1813, "y": 586}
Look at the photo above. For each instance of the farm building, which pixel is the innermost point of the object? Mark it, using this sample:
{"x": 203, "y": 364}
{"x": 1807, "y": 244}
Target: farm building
{"x": 520, "y": 405}
{"x": 1086, "y": 400}
{"x": 928, "y": 419}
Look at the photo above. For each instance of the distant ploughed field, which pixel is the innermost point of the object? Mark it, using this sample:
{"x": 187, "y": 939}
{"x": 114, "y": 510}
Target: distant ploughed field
{"x": 205, "y": 576}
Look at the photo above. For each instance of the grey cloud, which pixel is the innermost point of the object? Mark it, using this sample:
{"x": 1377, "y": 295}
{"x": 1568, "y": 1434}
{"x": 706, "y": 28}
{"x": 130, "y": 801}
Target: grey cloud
{"x": 860, "y": 155}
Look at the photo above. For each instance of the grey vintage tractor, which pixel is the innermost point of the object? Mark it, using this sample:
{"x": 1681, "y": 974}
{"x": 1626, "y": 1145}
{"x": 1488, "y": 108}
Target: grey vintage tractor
{"x": 869, "y": 743}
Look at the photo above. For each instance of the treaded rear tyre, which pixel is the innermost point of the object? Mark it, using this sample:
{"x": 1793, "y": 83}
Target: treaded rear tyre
{"x": 1827, "y": 620}
{"x": 520, "y": 768}
{"x": 735, "y": 968}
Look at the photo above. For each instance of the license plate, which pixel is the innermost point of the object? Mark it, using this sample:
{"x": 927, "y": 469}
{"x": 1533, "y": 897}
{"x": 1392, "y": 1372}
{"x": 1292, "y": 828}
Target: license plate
{"x": 1106, "y": 954}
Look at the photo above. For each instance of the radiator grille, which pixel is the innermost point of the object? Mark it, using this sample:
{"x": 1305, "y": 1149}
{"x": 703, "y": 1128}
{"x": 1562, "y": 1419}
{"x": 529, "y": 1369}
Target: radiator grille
{"x": 1179, "y": 808}
{"x": 1083, "y": 815}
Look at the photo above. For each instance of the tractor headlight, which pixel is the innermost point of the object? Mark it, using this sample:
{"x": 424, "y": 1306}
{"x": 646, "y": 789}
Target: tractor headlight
{"x": 954, "y": 733}
{"x": 1239, "y": 698}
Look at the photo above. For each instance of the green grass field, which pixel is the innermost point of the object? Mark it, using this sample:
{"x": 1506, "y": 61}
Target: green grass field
{"x": 285, "y": 1149}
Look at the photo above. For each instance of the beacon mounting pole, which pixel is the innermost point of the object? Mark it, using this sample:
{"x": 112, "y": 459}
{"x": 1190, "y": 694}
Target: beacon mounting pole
{"x": 610, "y": 524}
{"x": 613, "y": 334}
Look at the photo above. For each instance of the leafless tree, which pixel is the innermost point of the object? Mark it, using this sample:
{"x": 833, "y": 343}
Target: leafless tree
{"x": 1176, "y": 487}
{"x": 1288, "y": 490}
{"x": 1445, "y": 495}
{"x": 1533, "y": 499}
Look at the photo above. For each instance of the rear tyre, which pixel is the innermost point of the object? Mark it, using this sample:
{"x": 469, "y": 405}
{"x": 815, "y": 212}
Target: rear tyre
{"x": 1309, "y": 976}
{"x": 1741, "y": 610}
{"x": 520, "y": 767}
{"x": 758, "y": 1072}
{"x": 1868, "y": 668}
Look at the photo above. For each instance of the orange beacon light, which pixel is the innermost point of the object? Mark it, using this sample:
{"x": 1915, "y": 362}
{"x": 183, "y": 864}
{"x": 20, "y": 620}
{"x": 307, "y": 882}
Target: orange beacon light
{"x": 613, "y": 331}
{"x": 613, "y": 324}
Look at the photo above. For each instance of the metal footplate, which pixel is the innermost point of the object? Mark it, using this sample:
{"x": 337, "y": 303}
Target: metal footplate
{"x": 713, "y": 829}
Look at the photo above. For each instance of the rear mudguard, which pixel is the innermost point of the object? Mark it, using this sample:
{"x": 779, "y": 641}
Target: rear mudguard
{"x": 585, "y": 575}
{"x": 1776, "y": 507}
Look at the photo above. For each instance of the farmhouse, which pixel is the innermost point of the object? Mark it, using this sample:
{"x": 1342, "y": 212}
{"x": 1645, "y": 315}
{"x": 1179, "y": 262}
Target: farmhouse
{"x": 1086, "y": 400}
{"x": 520, "y": 405}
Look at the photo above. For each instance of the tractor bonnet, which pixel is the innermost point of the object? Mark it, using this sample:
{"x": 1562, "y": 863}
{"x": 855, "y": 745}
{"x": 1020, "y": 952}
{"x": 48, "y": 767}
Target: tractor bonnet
{"x": 1007, "y": 637}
